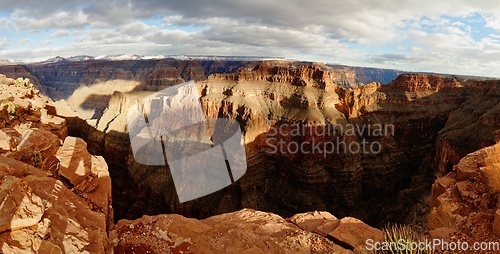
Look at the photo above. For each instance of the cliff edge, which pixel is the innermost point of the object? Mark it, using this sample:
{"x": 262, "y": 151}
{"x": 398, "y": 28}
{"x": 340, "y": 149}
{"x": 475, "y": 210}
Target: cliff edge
{"x": 55, "y": 197}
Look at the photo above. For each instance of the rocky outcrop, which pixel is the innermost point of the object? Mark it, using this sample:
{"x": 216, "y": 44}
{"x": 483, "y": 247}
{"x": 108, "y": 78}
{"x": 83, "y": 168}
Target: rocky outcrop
{"x": 44, "y": 208}
{"x": 245, "y": 231}
{"x": 39, "y": 213}
{"x": 423, "y": 82}
{"x": 471, "y": 127}
{"x": 464, "y": 203}
{"x": 88, "y": 85}
{"x": 297, "y": 74}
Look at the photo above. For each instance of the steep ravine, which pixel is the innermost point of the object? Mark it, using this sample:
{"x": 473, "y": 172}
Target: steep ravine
{"x": 56, "y": 198}
{"x": 422, "y": 108}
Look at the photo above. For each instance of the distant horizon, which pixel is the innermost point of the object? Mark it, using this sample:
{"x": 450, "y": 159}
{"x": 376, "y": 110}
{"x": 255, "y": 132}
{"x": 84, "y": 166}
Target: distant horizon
{"x": 248, "y": 58}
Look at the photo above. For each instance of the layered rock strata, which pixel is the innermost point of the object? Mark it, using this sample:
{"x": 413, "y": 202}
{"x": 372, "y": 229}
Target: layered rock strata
{"x": 264, "y": 97}
{"x": 88, "y": 85}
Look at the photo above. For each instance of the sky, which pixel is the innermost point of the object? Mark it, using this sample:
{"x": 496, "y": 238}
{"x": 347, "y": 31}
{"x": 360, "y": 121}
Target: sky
{"x": 455, "y": 36}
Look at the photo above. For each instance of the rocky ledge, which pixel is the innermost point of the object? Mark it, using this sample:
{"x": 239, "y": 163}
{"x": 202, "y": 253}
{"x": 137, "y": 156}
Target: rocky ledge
{"x": 55, "y": 197}
{"x": 464, "y": 203}
{"x": 245, "y": 231}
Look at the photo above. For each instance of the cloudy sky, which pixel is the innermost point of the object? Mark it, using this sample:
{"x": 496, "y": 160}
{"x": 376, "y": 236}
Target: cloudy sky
{"x": 456, "y": 36}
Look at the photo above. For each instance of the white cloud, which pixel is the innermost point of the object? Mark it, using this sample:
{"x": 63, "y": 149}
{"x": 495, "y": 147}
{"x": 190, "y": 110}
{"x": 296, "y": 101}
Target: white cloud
{"x": 45, "y": 43}
{"x": 4, "y": 42}
{"x": 25, "y": 41}
{"x": 59, "y": 20}
{"x": 60, "y": 33}
{"x": 5, "y": 23}
{"x": 493, "y": 22}
{"x": 421, "y": 35}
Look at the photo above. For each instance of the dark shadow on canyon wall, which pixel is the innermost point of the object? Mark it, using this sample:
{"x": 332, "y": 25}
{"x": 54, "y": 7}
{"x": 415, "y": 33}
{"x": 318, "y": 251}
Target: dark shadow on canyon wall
{"x": 63, "y": 78}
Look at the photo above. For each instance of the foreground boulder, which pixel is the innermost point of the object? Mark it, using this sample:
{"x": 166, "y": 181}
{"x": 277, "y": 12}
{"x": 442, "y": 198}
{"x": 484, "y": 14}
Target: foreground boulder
{"x": 38, "y": 213}
{"x": 245, "y": 231}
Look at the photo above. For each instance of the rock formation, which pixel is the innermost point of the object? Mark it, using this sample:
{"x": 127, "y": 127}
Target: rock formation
{"x": 88, "y": 85}
{"x": 54, "y": 197}
{"x": 471, "y": 126}
{"x": 464, "y": 202}
{"x": 416, "y": 82}
{"x": 245, "y": 231}
{"x": 422, "y": 110}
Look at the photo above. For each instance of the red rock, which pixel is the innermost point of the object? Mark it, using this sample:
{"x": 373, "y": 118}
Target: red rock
{"x": 496, "y": 224}
{"x": 19, "y": 206}
{"x": 423, "y": 82}
{"x": 353, "y": 233}
{"x": 37, "y": 139}
{"x": 485, "y": 200}
{"x": 465, "y": 171}
{"x": 31, "y": 118}
{"x": 7, "y": 142}
{"x": 76, "y": 162}
{"x": 38, "y": 214}
{"x": 439, "y": 187}
{"x": 245, "y": 231}
{"x": 465, "y": 205}
{"x": 312, "y": 221}
{"x": 18, "y": 169}
{"x": 441, "y": 233}
{"x": 54, "y": 123}
{"x": 88, "y": 173}
{"x": 463, "y": 190}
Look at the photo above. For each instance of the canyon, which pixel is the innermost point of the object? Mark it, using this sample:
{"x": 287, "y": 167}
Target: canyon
{"x": 431, "y": 115}
{"x": 100, "y": 91}
{"x": 437, "y": 121}
{"x": 55, "y": 197}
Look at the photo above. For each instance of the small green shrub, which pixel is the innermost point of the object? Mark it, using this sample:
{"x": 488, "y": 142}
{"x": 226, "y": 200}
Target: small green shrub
{"x": 11, "y": 108}
{"x": 20, "y": 82}
{"x": 33, "y": 157}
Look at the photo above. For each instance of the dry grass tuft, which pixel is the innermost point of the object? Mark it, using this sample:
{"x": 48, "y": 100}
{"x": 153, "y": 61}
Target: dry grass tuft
{"x": 402, "y": 240}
